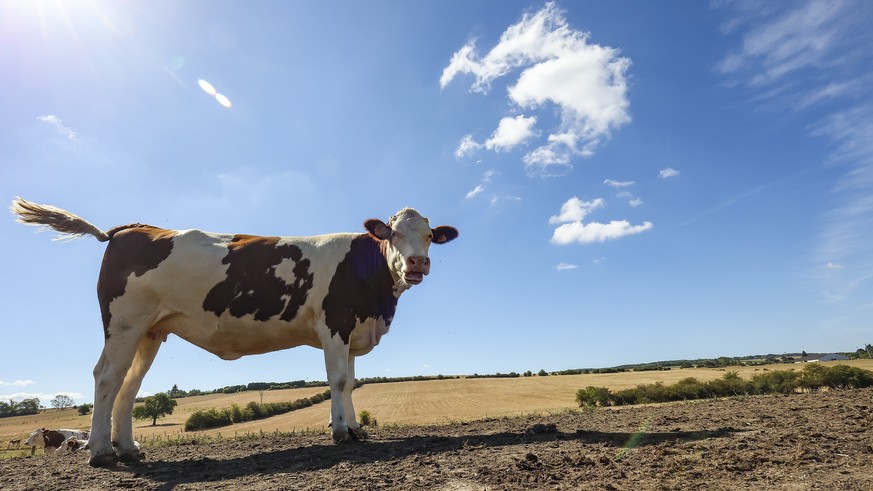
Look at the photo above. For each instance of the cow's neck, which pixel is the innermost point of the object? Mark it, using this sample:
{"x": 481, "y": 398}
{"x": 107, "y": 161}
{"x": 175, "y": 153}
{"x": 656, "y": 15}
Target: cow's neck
{"x": 400, "y": 286}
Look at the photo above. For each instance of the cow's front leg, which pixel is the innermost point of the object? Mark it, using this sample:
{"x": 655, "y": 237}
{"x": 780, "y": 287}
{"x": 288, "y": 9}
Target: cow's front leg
{"x": 355, "y": 428}
{"x": 336, "y": 360}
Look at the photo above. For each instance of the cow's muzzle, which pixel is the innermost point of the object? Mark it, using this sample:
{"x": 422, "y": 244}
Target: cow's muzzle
{"x": 416, "y": 269}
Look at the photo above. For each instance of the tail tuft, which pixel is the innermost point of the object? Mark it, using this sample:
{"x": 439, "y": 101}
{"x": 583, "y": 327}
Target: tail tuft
{"x": 70, "y": 226}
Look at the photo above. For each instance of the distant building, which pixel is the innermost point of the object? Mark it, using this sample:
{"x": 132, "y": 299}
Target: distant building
{"x": 822, "y": 357}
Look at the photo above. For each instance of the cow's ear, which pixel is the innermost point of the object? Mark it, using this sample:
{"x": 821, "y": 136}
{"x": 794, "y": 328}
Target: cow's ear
{"x": 378, "y": 229}
{"x": 444, "y": 233}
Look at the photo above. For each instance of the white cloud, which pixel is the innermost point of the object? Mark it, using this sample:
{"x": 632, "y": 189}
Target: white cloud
{"x": 586, "y": 233}
{"x": 617, "y": 184}
{"x": 668, "y": 173}
{"x": 511, "y": 132}
{"x": 478, "y": 189}
{"x": 65, "y": 130}
{"x": 635, "y": 202}
{"x": 584, "y": 82}
{"x": 832, "y": 265}
{"x": 566, "y": 266}
{"x": 467, "y": 146}
{"x": 575, "y": 210}
{"x": 17, "y": 383}
{"x": 572, "y": 229}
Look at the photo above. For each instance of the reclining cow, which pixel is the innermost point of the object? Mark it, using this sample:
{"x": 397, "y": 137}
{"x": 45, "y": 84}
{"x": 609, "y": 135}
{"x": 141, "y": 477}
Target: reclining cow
{"x": 51, "y": 440}
{"x": 236, "y": 295}
{"x": 73, "y": 444}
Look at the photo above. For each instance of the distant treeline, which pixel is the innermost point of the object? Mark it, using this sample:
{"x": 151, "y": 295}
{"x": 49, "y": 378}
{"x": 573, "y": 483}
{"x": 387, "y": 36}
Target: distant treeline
{"x": 720, "y": 362}
{"x": 177, "y": 393}
{"x": 216, "y": 418}
{"x": 416, "y": 378}
{"x": 12, "y": 408}
{"x": 813, "y": 377}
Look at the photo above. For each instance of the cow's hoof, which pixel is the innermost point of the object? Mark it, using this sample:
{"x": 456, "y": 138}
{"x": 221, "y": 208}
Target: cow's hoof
{"x": 342, "y": 436}
{"x": 103, "y": 460}
{"x": 358, "y": 433}
{"x": 131, "y": 457}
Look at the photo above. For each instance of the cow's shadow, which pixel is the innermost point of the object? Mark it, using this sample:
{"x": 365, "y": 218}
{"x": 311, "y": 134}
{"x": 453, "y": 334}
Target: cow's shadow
{"x": 324, "y": 456}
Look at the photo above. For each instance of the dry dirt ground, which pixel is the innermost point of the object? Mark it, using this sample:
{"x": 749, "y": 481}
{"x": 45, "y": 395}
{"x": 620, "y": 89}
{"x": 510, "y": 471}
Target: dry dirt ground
{"x": 804, "y": 441}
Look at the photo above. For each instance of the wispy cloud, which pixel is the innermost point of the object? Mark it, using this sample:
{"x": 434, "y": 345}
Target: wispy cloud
{"x": 483, "y": 184}
{"x": 17, "y": 383}
{"x": 566, "y": 266}
{"x": 617, "y": 184}
{"x": 815, "y": 55}
{"x": 62, "y": 128}
{"x": 559, "y": 68}
{"x": 475, "y": 191}
{"x": 668, "y": 173}
{"x": 573, "y": 229}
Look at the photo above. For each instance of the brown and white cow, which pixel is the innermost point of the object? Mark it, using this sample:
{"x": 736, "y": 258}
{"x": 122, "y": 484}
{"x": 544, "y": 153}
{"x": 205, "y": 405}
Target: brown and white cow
{"x": 236, "y": 295}
{"x": 51, "y": 440}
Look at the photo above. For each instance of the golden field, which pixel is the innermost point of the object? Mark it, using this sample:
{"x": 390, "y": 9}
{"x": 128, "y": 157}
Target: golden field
{"x": 407, "y": 403}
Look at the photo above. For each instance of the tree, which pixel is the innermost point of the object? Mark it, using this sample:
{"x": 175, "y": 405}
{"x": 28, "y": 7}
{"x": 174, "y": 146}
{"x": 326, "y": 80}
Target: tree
{"x": 154, "y": 407}
{"x": 84, "y": 409}
{"x": 62, "y": 401}
{"x": 176, "y": 392}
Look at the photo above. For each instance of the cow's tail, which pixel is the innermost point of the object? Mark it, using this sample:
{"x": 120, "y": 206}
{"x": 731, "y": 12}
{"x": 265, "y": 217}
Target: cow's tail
{"x": 62, "y": 221}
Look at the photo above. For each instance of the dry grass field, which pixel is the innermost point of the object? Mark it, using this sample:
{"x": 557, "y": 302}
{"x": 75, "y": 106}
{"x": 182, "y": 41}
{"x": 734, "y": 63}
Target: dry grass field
{"x": 404, "y": 403}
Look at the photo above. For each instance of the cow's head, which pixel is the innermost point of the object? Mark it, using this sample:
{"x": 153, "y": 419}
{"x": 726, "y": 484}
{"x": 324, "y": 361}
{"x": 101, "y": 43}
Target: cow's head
{"x": 405, "y": 240}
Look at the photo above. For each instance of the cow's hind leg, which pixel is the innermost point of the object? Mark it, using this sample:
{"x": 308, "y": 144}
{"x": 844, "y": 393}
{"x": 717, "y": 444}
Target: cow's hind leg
{"x": 122, "y": 425}
{"x": 110, "y": 374}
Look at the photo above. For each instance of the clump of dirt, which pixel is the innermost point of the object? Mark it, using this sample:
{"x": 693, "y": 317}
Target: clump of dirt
{"x": 805, "y": 441}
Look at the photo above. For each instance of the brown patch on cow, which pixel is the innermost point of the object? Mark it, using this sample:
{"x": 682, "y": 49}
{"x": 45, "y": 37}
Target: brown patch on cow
{"x": 52, "y": 439}
{"x": 132, "y": 249}
{"x": 361, "y": 288}
{"x": 252, "y": 286}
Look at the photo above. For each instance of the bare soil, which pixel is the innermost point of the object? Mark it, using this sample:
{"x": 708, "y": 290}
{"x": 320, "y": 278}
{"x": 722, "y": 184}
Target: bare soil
{"x": 805, "y": 441}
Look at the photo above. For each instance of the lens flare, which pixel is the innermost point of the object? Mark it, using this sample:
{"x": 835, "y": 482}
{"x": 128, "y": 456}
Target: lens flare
{"x": 207, "y": 87}
{"x": 224, "y": 101}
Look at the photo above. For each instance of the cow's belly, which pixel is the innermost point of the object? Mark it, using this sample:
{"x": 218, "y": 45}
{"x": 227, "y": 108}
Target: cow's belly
{"x": 230, "y": 338}
{"x": 366, "y": 336}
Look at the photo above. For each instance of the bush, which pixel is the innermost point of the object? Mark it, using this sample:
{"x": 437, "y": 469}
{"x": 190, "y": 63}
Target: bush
{"x": 813, "y": 377}
{"x": 213, "y": 418}
{"x": 593, "y": 396}
{"x": 365, "y": 418}
{"x": 210, "y": 418}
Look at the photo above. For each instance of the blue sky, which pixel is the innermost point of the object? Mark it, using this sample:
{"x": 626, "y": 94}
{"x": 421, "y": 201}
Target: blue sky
{"x": 633, "y": 181}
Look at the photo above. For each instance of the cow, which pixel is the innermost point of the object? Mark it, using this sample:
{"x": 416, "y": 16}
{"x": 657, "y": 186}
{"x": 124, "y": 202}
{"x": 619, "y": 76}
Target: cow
{"x": 236, "y": 295}
{"x": 51, "y": 439}
{"x": 72, "y": 444}
{"x": 14, "y": 443}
